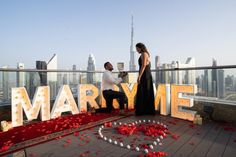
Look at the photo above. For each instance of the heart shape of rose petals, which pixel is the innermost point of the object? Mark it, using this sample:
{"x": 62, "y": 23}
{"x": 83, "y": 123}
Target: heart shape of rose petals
{"x": 151, "y": 128}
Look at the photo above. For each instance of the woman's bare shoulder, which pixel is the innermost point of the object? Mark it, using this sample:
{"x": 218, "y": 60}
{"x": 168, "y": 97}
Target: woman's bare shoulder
{"x": 145, "y": 55}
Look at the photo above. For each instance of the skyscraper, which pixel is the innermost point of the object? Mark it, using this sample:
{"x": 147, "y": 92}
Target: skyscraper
{"x": 214, "y": 78}
{"x": 165, "y": 75}
{"x": 91, "y": 76}
{"x": 157, "y": 67}
{"x": 65, "y": 79}
{"x": 190, "y": 77}
{"x": 52, "y": 76}
{"x": 221, "y": 84}
{"x": 20, "y": 76}
{"x": 42, "y": 65}
{"x": 52, "y": 65}
{"x": 218, "y": 81}
{"x": 207, "y": 84}
{"x": 229, "y": 82}
{"x": 132, "y": 66}
{"x": 200, "y": 84}
{"x": 179, "y": 77}
{"x": 74, "y": 79}
{"x": 120, "y": 66}
{"x": 32, "y": 81}
{"x": 176, "y": 76}
{"x": 59, "y": 79}
{"x": 5, "y": 84}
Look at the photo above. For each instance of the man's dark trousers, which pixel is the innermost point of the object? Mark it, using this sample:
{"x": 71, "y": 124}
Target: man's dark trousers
{"x": 109, "y": 95}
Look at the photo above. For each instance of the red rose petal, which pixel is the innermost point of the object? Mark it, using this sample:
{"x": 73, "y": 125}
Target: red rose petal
{"x": 76, "y": 133}
{"x": 192, "y": 126}
{"x": 175, "y": 137}
{"x": 68, "y": 140}
{"x": 85, "y": 153}
{"x": 108, "y": 124}
{"x": 156, "y": 154}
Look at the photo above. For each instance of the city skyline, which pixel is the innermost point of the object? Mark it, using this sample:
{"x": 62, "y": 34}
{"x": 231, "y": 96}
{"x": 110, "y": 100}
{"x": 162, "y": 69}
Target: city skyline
{"x": 75, "y": 29}
{"x": 211, "y": 83}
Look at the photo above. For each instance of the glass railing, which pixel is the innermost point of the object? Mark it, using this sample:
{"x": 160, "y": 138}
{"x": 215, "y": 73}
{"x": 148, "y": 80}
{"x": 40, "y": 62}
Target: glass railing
{"x": 215, "y": 84}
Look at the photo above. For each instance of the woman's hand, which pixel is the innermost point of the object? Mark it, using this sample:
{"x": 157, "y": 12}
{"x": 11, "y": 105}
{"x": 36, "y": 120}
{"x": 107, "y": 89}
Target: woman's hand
{"x": 139, "y": 78}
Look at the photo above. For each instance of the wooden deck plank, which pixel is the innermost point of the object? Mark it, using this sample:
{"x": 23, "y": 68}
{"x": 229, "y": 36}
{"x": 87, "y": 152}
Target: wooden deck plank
{"x": 76, "y": 144}
{"x": 185, "y": 133}
{"x": 206, "y": 139}
{"x": 230, "y": 150}
{"x": 207, "y": 142}
{"x": 219, "y": 145}
{"x": 190, "y": 145}
{"x": 63, "y": 148}
{"x": 176, "y": 130}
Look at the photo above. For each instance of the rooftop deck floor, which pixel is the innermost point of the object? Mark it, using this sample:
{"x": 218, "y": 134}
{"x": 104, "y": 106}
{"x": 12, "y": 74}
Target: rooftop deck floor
{"x": 208, "y": 140}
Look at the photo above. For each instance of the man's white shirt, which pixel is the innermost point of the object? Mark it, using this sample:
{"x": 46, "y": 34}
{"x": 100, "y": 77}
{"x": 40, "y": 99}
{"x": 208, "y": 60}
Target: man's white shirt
{"x": 108, "y": 80}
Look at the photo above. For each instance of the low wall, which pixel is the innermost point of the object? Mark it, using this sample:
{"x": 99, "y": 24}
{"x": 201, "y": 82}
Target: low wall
{"x": 220, "y": 112}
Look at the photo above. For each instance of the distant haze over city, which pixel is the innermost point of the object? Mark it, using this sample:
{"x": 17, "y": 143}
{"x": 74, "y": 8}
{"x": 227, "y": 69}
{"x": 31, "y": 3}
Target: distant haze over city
{"x": 173, "y": 30}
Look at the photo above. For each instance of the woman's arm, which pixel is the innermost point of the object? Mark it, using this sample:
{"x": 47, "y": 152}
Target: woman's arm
{"x": 144, "y": 64}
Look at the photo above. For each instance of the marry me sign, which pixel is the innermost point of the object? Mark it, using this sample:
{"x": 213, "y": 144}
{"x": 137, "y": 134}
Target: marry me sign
{"x": 168, "y": 100}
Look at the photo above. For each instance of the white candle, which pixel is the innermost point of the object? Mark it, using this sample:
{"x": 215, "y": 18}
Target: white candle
{"x": 128, "y": 146}
{"x": 151, "y": 146}
{"x": 146, "y": 151}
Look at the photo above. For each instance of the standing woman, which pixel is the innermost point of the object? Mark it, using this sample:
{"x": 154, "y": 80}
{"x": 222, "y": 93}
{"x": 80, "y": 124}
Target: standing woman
{"x": 145, "y": 93}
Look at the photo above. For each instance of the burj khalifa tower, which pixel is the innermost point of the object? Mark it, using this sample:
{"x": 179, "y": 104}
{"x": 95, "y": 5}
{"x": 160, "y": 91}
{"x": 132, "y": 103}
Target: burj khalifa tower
{"x": 132, "y": 66}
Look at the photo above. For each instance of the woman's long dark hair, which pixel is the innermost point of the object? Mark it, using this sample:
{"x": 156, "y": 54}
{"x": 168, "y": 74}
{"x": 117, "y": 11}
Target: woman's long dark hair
{"x": 143, "y": 48}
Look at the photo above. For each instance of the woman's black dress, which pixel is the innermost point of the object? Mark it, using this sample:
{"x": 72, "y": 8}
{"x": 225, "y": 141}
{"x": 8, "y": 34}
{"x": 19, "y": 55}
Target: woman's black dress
{"x": 144, "y": 104}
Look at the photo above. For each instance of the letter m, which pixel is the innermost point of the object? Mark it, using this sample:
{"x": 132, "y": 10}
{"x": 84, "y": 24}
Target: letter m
{"x": 20, "y": 101}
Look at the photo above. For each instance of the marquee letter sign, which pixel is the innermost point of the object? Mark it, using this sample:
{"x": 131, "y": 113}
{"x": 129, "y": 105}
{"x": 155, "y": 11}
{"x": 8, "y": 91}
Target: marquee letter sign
{"x": 163, "y": 98}
{"x": 88, "y": 93}
{"x": 130, "y": 91}
{"x": 20, "y": 101}
{"x": 177, "y": 102}
{"x": 64, "y": 102}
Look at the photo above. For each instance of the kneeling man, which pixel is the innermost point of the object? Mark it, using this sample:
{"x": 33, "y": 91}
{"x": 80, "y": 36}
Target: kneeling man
{"x": 108, "y": 82}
